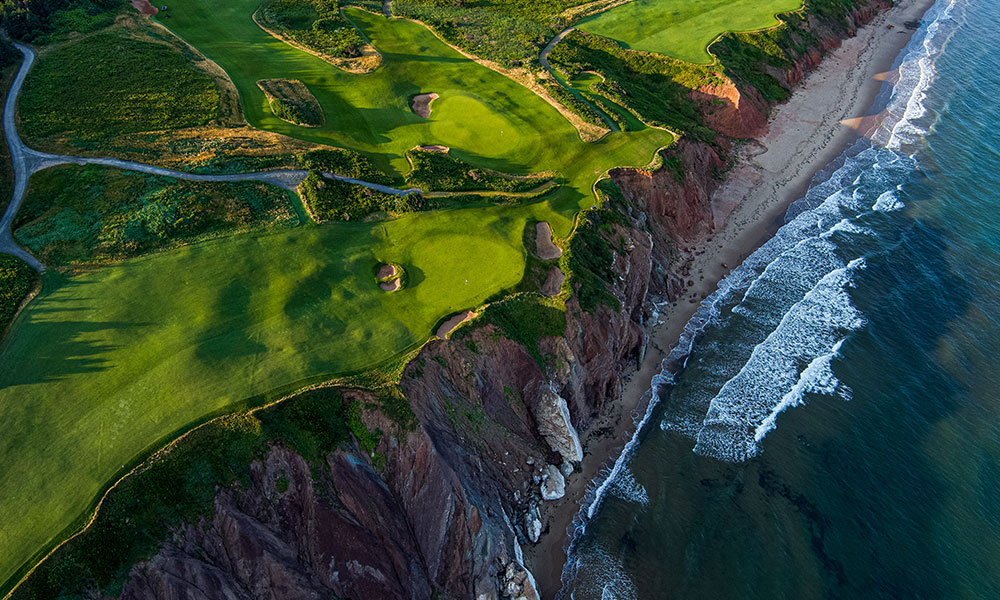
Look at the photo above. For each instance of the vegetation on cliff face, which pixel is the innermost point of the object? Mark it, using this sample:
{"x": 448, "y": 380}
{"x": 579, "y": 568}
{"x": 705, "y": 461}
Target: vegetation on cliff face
{"x": 179, "y": 485}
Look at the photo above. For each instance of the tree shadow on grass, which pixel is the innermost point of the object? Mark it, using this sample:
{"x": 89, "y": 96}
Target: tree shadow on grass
{"x": 44, "y": 345}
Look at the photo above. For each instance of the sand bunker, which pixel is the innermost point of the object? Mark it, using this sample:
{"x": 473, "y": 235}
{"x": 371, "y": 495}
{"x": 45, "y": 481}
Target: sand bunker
{"x": 422, "y": 104}
{"x": 553, "y": 283}
{"x": 544, "y": 247}
{"x": 451, "y": 324}
{"x": 434, "y": 148}
{"x": 144, "y": 7}
{"x": 389, "y": 277}
{"x": 390, "y": 286}
{"x": 385, "y": 272}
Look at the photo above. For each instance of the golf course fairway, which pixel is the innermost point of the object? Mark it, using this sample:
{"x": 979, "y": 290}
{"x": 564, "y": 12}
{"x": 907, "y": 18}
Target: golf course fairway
{"x": 683, "y": 29}
{"x": 107, "y": 363}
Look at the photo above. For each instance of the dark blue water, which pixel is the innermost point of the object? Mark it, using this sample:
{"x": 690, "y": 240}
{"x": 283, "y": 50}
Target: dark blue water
{"x": 830, "y": 427}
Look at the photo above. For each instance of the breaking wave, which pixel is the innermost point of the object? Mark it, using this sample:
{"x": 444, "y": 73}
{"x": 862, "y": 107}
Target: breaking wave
{"x": 769, "y": 336}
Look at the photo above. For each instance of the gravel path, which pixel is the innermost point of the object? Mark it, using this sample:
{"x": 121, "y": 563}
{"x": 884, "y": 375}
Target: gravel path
{"x": 27, "y": 161}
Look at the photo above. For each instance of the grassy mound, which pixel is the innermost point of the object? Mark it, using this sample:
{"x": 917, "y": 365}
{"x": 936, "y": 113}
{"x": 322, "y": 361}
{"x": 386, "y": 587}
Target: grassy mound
{"x": 439, "y": 171}
{"x": 108, "y": 84}
{"x": 336, "y": 200}
{"x": 16, "y": 279}
{"x": 681, "y": 28}
{"x": 317, "y": 26}
{"x": 97, "y": 214}
{"x": 292, "y": 101}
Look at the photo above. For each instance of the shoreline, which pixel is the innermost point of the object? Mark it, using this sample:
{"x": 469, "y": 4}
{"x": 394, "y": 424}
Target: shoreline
{"x": 828, "y": 110}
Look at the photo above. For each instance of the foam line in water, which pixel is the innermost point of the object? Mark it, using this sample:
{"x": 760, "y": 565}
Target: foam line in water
{"x": 816, "y": 378}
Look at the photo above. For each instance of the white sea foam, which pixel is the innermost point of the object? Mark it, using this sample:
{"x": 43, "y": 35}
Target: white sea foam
{"x": 627, "y": 488}
{"x": 867, "y": 181}
{"x": 817, "y": 378}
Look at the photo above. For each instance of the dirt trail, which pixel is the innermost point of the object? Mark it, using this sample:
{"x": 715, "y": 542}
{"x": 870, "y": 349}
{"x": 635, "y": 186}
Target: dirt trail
{"x": 27, "y": 161}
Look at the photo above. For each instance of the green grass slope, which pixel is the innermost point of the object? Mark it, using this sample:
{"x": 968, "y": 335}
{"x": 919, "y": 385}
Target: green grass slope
{"x": 108, "y": 361}
{"x": 683, "y": 29}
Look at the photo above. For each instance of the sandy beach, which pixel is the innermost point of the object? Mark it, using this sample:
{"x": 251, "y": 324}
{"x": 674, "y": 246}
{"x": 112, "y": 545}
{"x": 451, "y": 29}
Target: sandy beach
{"x": 825, "y": 114}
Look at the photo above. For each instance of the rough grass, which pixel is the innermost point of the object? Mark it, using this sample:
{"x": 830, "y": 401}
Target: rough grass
{"x": 683, "y": 29}
{"x": 439, "y": 171}
{"x": 99, "y": 214}
{"x": 336, "y": 200}
{"x": 138, "y": 514}
{"x": 292, "y": 101}
{"x": 16, "y": 279}
{"x": 107, "y": 361}
{"x": 316, "y": 24}
{"x": 109, "y": 84}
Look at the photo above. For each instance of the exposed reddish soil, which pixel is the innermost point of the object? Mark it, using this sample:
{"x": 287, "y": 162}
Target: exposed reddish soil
{"x": 144, "y": 7}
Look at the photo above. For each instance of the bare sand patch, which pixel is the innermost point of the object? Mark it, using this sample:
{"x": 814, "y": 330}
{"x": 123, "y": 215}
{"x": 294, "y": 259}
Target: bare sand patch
{"x": 385, "y": 272}
{"x": 422, "y": 104}
{"x": 544, "y": 247}
{"x": 435, "y": 148}
{"x": 805, "y": 134}
{"x": 451, "y": 324}
{"x": 553, "y": 283}
{"x": 144, "y": 7}
{"x": 390, "y": 286}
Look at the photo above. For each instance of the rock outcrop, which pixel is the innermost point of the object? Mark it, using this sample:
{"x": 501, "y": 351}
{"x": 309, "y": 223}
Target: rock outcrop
{"x": 448, "y": 505}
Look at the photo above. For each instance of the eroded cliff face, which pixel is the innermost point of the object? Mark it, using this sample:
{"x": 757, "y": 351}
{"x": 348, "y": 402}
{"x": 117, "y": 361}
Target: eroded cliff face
{"x": 443, "y": 510}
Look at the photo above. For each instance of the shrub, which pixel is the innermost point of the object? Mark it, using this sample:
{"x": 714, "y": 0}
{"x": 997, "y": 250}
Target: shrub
{"x": 441, "y": 171}
{"x": 95, "y": 214}
{"x": 346, "y": 163}
{"x": 110, "y": 84}
{"x": 316, "y": 24}
{"x": 336, "y": 200}
{"x": 16, "y": 280}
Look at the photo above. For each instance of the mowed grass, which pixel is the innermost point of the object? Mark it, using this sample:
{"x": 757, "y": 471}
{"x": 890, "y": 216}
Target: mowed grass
{"x": 683, "y": 29}
{"x": 107, "y": 363}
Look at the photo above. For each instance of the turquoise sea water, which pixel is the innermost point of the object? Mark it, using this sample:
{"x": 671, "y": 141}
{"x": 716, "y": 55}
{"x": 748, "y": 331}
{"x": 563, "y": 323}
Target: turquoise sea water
{"x": 830, "y": 427}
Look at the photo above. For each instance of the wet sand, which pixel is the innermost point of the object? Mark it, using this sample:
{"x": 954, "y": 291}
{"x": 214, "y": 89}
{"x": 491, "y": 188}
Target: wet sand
{"x": 825, "y": 114}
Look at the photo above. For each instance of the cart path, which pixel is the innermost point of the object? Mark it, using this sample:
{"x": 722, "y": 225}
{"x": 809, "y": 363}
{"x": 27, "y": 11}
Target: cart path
{"x": 27, "y": 161}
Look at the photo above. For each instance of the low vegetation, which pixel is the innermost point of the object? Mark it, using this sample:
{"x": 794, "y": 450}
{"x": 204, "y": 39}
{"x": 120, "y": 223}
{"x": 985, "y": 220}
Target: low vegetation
{"x": 98, "y": 214}
{"x": 439, "y": 171}
{"x": 575, "y": 104}
{"x": 511, "y": 32}
{"x": 589, "y": 261}
{"x": 681, "y": 28}
{"x": 346, "y": 163}
{"x": 292, "y": 101}
{"x": 337, "y": 200}
{"x": 16, "y": 280}
{"x": 315, "y": 24}
{"x": 108, "y": 84}
{"x": 657, "y": 87}
{"x": 138, "y": 514}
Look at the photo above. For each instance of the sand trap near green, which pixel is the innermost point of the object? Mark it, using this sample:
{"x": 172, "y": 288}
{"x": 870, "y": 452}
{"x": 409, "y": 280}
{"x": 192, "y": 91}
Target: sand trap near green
{"x": 106, "y": 364}
{"x": 683, "y": 28}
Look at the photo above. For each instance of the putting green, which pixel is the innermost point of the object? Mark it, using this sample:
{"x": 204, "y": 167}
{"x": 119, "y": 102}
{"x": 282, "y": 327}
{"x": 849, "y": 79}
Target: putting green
{"x": 107, "y": 362}
{"x": 683, "y": 28}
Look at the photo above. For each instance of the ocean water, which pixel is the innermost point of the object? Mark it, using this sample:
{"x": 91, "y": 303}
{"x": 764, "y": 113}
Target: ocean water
{"x": 830, "y": 425}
